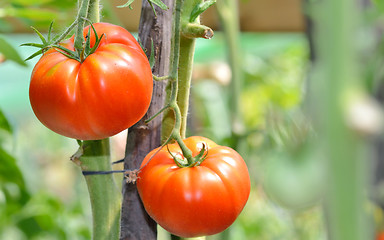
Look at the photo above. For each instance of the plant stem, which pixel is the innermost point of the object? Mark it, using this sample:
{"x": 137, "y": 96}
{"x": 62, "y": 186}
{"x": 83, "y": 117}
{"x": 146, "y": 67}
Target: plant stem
{"x": 81, "y": 16}
{"x": 104, "y": 195}
{"x": 184, "y": 65}
{"x": 228, "y": 13}
{"x": 178, "y": 90}
{"x": 347, "y": 162}
{"x": 183, "y": 47}
{"x": 94, "y": 11}
{"x": 173, "y": 122}
{"x": 169, "y": 117}
{"x": 187, "y": 49}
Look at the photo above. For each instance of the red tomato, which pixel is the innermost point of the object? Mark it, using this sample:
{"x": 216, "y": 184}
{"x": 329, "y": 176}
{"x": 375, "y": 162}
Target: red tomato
{"x": 105, "y": 94}
{"x": 380, "y": 236}
{"x": 194, "y": 201}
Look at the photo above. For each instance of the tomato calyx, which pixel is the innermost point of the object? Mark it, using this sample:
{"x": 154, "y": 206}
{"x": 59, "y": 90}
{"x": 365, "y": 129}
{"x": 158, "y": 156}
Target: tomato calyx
{"x": 181, "y": 161}
{"x": 54, "y": 42}
{"x": 87, "y": 50}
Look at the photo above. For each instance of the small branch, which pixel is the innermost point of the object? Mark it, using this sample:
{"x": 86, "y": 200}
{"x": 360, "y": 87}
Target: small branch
{"x": 194, "y": 30}
{"x": 157, "y": 114}
{"x": 162, "y": 78}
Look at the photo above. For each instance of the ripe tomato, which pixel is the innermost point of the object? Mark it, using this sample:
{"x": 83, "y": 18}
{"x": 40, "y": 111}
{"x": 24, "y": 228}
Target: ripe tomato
{"x": 97, "y": 98}
{"x": 194, "y": 201}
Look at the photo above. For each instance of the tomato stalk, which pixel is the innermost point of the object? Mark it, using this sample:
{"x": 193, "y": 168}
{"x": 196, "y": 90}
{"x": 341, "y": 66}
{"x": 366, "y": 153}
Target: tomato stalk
{"x": 337, "y": 80}
{"x": 105, "y": 197}
{"x": 186, "y": 28}
{"x": 80, "y": 19}
{"x": 228, "y": 13}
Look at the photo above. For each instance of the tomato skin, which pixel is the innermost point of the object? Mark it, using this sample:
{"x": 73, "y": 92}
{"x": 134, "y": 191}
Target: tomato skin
{"x": 195, "y": 201}
{"x": 108, "y": 92}
{"x": 380, "y": 236}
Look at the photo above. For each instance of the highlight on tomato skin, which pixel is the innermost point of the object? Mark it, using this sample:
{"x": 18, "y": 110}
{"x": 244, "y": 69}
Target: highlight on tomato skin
{"x": 194, "y": 201}
{"x": 103, "y": 95}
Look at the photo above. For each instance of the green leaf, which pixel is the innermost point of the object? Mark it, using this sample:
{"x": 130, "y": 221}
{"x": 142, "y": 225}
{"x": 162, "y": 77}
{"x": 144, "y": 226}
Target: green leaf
{"x": 127, "y": 4}
{"x": 9, "y": 52}
{"x": 159, "y": 3}
{"x": 4, "y": 124}
{"x": 9, "y": 171}
{"x": 200, "y": 8}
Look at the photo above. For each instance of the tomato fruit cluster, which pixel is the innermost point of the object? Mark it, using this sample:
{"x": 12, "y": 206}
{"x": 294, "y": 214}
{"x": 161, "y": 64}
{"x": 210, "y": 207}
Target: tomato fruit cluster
{"x": 97, "y": 98}
{"x": 194, "y": 201}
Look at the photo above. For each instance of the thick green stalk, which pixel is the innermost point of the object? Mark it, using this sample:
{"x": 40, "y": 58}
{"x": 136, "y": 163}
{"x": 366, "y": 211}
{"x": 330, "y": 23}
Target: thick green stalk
{"x": 183, "y": 57}
{"x": 105, "y": 197}
{"x": 169, "y": 118}
{"x": 181, "y": 71}
{"x": 337, "y": 77}
{"x": 187, "y": 49}
{"x": 81, "y": 16}
{"x": 94, "y": 11}
{"x": 229, "y": 18}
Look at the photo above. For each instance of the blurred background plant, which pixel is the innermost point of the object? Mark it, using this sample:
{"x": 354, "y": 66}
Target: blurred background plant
{"x": 42, "y": 195}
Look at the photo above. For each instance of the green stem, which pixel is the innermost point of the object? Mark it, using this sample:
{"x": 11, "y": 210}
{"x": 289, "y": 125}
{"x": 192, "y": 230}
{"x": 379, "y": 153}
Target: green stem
{"x": 173, "y": 122}
{"x": 347, "y": 162}
{"x": 187, "y": 49}
{"x": 104, "y": 195}
{"x": 228, "y": 13}
{"x": 94, "y": 11}
{"x": 169, "y": 117}
{"x": 183, "y": 50}
{"x": 81, "y": 16}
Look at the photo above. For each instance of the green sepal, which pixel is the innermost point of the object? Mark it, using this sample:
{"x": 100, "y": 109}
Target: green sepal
{"x": 98, "y": 40}
{"x": 88, "y": 40}
{"x": 200, "y": 8}
{"x": 177, "y": 160}
{"x": 37, "y": 45}
{"x": 50, "y": 31}
{"x": 66, "y": 52}
{"x": 42, "y": 38}
{"x": 200, "y": 157}
{"x": 37, "y": 53}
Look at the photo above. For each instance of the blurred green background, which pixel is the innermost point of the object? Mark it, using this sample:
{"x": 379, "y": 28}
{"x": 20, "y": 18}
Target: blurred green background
{"x": 43, "y": 195}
